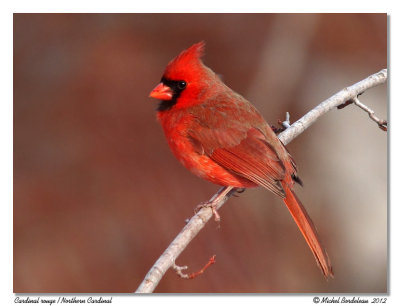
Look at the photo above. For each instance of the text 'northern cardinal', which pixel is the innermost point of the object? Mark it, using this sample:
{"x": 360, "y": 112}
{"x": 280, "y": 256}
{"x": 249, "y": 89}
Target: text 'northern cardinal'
{"x": 221, "y": 137}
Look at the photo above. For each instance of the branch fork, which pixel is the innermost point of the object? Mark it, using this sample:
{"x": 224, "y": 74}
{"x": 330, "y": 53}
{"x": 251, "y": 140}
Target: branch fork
{"x": 178, "y": 269}
{"x": 382, "y": 124}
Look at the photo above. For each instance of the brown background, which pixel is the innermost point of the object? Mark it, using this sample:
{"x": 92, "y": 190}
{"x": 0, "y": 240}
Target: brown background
{"x": 98, "y": 196}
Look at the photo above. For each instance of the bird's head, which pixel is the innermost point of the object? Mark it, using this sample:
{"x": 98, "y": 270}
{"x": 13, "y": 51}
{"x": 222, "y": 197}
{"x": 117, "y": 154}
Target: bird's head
{"x": 185, "y": 78}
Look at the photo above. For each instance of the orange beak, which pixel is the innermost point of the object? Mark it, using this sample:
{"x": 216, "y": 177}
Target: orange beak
{"x": 162, "y": 92}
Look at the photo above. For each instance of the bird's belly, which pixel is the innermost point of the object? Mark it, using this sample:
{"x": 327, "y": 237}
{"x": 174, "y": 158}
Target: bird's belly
{"x": 204, "y": 167}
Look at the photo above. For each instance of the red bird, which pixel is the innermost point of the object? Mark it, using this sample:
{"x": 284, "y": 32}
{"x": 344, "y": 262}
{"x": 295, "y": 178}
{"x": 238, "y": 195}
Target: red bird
{"x": 220, "y": 136}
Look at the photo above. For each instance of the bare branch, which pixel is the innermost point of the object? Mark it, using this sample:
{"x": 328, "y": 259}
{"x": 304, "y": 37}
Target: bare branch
{"x": 178, "y": 269}
{"x": 191, "y": 229}
{"x": 346, "y": 94}
{"x": 381, "y": 123}
{"x": 198, "y": 221}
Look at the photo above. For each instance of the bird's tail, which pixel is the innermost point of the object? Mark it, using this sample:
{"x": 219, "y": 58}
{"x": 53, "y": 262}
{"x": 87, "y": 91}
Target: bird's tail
{"x": 308, "y": 230}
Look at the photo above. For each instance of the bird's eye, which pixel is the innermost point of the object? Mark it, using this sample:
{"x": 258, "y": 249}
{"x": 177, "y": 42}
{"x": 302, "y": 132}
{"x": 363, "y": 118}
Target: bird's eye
{"x": 181, "y": 84}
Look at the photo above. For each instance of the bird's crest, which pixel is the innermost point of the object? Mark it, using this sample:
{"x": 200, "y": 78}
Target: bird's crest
{"x": 187, "y": 60}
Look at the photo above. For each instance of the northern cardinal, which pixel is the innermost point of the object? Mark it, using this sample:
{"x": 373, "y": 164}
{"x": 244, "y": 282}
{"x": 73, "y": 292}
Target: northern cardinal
{"x": 220, "y": 136}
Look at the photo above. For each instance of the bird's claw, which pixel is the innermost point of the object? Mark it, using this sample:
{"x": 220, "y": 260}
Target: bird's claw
{"x": 213, "y": 207}
{"x": 238, "y": 191}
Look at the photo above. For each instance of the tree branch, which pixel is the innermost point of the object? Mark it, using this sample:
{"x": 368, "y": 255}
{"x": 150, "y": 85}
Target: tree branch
{"x": 197, "y": 222}
{"x": 346, "y": 94}
{"x": 381, "y": 123}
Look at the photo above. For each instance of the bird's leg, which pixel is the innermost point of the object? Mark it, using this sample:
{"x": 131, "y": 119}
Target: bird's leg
{"x": 214, "y": 201}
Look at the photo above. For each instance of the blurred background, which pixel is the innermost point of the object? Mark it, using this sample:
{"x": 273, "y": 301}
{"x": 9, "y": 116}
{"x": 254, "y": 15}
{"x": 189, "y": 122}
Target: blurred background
{"x": 98, "y": 196}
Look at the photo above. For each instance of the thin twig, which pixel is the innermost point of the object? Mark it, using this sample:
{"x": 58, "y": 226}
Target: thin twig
{"x": 178, "y": 269}
{"x": 381, "y": 123}
{"x": 198, "y": 221}
{"x": 286, "y": 123}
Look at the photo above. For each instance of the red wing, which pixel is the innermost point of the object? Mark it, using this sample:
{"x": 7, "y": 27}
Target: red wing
{"x": 220, "y": 123}
{"x": 230, "y": 134}
{"x": 254, "y": 159}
